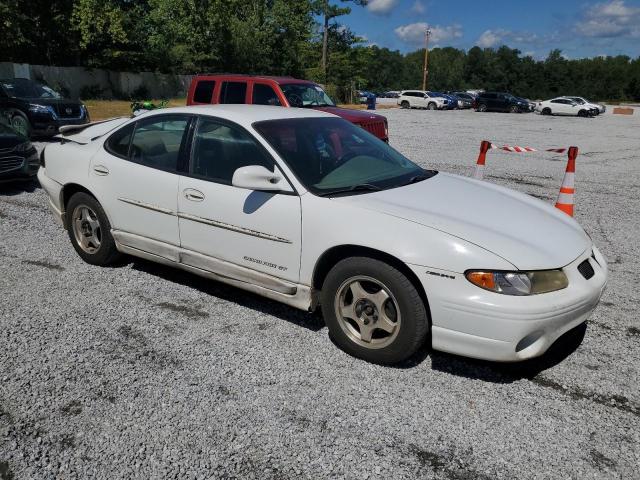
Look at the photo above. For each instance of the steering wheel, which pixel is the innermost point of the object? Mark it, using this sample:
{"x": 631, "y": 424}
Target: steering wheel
{"x": 295, "y": 100}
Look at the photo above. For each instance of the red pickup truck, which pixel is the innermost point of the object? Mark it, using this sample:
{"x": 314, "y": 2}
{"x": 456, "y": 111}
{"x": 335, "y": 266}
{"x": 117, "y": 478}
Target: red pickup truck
{"x": 279, "y": 91}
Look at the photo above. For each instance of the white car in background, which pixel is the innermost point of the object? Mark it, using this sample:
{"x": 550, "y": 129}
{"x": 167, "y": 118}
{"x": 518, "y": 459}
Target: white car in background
{"x": 564, "y": 106}
{"x": 307, "y": 209}
{"x": 587, "y": 104}
{"x": 422, "y": 99}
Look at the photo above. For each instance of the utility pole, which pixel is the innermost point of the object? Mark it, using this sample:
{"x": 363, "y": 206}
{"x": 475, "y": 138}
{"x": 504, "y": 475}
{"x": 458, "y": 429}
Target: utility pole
{"x": 425, "y": 71}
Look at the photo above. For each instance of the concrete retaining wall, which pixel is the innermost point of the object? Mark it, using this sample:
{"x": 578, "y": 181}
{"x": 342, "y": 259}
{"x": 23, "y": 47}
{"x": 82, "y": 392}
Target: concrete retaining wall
{"x": 76, "y": 82}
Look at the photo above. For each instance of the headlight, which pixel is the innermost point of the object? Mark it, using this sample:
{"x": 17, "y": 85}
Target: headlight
{"x": 519, "y": 283}
{"x": 37, "y": 108}
{"x": 23, "y": 147}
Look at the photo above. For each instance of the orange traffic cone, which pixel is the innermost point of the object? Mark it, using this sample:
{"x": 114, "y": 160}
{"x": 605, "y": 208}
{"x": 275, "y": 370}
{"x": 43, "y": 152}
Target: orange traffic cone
{"x": 482, "y": 158}
{"x": 565, "y": 197}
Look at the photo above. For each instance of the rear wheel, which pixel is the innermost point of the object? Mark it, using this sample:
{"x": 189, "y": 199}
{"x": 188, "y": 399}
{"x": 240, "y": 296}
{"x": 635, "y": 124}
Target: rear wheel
{"x": 373, "y": 311}
{"x": 90, "y": 231}
{"x": 404, "y": 104}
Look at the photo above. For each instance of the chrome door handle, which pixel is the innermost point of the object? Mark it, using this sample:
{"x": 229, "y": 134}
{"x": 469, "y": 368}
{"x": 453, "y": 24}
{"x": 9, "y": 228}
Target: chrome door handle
{"x": 193, "y": 195}
{"x": 101, "y": 170}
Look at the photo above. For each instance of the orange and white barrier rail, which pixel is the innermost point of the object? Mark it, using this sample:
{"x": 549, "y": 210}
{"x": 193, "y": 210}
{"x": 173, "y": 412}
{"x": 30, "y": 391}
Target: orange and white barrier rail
{"x": 565, "y": 200}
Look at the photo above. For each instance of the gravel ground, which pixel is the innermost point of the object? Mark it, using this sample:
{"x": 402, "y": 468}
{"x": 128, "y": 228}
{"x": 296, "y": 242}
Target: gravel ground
{"x": 145, "y": 372}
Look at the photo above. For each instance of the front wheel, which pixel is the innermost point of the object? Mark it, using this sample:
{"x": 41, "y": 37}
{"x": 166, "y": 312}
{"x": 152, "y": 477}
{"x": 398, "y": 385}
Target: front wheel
{"x": 546, "y": 111}
{"x": 20, "y": 123}
{"x": 431, "y": 106}
{"x": 373, "y": 311}
{"x": 90, "y": 231}
{"x": 514, "y": 109}
{"x": 482, "y": 107}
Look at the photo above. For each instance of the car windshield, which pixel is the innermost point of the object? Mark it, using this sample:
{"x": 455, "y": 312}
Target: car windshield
{"x": 331, "y": 156}
{"x": 23, "y": 88}
{"x": 306, "y": 95}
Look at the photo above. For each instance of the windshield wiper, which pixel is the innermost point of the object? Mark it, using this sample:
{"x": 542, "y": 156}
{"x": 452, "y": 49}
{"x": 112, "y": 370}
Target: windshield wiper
{"x": 418, "y": 178}
{"x": 364, "y": 187}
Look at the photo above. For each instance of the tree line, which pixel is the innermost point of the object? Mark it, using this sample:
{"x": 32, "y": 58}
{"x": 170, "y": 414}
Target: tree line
{"x": 283, "y": 37}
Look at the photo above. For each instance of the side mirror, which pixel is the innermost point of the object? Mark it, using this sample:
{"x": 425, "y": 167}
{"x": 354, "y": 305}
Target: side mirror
{"x": 257, "y": 177}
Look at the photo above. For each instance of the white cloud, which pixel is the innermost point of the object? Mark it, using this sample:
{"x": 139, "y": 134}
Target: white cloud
{"x": 381, "y": 7}
{"x": 413, "y": 33}
{"x": 494, "y": 38}
{"x": 418, "y": 8}
{"x": 610, "y": 19}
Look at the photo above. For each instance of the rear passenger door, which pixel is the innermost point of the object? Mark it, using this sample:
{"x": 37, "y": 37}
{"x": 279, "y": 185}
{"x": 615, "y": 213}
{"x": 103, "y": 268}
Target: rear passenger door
{"x": 135, "y": 178}
{"x": 233, "y": 92}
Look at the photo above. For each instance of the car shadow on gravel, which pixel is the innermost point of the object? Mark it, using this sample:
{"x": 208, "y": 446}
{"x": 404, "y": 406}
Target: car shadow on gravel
{"x": 17, "y": 187}
{"x": 495, "y": 372}
{"x": 310, "y": 321}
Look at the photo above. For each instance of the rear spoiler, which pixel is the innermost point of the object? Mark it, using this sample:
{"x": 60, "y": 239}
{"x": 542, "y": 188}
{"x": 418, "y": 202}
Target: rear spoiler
{"x": 73, "y": 129}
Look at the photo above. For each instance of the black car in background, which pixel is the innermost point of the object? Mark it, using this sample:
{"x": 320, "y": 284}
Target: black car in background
{"x": 465, "y": 100}
{"x": 35, "y": 109}
{"x": 18, "y": 157}
{"x": 500, "y": 102}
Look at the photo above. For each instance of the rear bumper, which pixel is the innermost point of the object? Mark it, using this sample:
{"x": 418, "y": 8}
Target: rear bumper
{"x": 469, "y": 321}
{"x": 54, "y": 191}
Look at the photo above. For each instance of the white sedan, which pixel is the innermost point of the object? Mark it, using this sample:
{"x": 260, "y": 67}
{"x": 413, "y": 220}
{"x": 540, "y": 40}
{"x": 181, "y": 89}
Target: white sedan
{"x": 565, "y": 106}
{"x": 307, "y": 209}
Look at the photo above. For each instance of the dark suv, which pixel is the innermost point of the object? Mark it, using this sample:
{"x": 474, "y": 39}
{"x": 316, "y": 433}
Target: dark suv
{"x": 278, "y": 91}
{"x": 35, "y": 109}
{"x": 500, "y": 102}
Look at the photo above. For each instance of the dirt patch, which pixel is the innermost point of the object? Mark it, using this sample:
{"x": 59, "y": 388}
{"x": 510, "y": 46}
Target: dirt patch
{"x": 600, "y": 461}
{"x": 44, "y": 264}
{"x": 5, "y": 471}
{"x": 618, "y": 402}
{"x": 633, "y": 332}
{"x": 446, "y": 464}
{"x": 189, "y": 312}
{"x": 72, "y": 408}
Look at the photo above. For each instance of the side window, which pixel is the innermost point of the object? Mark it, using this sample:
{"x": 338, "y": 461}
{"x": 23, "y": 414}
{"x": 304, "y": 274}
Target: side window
{"x": 233, "y": 92}
{"x": 156, "y": 141}
{"x": 264, "y": 95}
{"x": 219, "y": 150}
{"x": 118, "y": 143}
{"x": 556, "y": 101}
{"x": 204, "y": 91}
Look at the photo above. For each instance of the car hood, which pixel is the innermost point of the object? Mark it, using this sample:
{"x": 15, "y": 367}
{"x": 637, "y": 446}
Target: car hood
{"x": 354, "y": 116}
{"x": 528, "y": 233}
{"x": 52, "y": 101}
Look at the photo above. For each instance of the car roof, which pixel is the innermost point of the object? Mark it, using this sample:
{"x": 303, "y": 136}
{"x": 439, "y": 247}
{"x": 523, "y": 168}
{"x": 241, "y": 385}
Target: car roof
{"x": 281, "y": 80}
{"x": 243, "y": 114}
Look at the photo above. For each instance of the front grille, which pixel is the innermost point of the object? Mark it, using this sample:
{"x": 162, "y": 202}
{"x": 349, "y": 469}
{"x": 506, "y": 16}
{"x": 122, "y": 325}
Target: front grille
{"x": 375, "y": 128}
{"x": 586, "y": 269}
{"x": 10, "y": 163}
{"x": 68, "y": 110}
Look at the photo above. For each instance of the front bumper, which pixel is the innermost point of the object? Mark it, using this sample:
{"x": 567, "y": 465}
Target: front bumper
{"x": 473, "y": 322}
{"x": 19, "y": 166}
{"x": 45, "y": 125}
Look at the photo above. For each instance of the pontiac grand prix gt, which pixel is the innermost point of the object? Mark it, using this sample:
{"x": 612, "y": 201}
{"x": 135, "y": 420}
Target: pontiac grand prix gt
{"x": 305, "y": 208}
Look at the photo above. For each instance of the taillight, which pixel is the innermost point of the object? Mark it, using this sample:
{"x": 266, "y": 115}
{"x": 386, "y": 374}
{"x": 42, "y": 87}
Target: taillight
{"x": 42, "y": 158}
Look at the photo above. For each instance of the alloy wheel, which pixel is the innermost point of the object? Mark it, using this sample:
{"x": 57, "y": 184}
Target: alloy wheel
{"x": 86, "y": 229}
{"x": 367, "y": 312}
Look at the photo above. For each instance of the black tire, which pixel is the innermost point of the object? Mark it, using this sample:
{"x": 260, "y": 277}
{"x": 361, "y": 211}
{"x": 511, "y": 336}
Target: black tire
{"x": 546, "y": 111}
{"x": 482, "y": 108}
{"x": 432, "y": 106}
{"x": 20, "y": 123}
{"x": 106, "y": 253}
{"x": 514, "y": 109}
{"x": 413, "y": 321}
{"x": 405, "y": 104}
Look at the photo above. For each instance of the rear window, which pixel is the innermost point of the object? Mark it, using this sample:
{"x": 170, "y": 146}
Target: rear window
{"x": 204, "y": 91}
{"x": 233, "y": 92}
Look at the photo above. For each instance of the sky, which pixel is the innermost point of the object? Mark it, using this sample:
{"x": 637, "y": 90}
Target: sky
{"x": 580, "y": 28}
